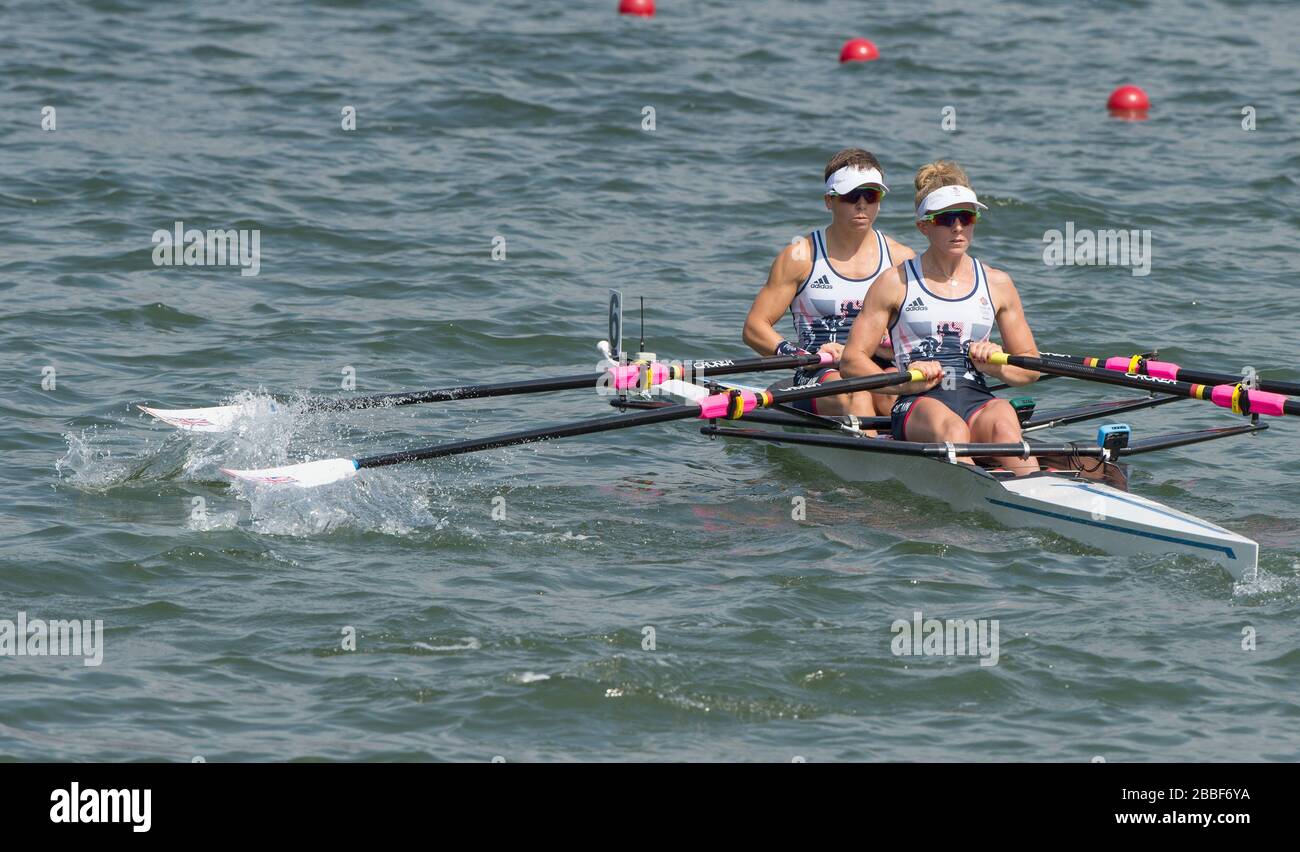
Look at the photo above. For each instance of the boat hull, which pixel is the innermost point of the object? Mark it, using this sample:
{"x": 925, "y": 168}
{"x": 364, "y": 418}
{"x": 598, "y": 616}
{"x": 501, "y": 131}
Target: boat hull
{"x": 1087, "y": 509}
{"x": 1091, "y": 512}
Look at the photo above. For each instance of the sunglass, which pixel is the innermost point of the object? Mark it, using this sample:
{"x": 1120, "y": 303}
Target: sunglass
{"x": 871, "y": 195}
{"x": 948, "y": 217}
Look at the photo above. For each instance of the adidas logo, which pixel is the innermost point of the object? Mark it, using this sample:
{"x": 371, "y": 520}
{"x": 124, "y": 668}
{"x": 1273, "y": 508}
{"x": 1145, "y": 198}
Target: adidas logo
{"x": 822, "y": 283}
{"x": 916, "y": 305}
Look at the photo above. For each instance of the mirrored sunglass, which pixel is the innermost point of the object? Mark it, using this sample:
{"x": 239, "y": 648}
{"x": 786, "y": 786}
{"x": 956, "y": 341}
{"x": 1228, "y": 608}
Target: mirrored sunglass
{"x": 948, "y": 217}
{"x": 871, "y": 195}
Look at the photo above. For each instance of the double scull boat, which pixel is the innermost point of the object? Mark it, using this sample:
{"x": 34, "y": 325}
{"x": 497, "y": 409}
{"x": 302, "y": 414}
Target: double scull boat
{"x": 1081, "y": 492}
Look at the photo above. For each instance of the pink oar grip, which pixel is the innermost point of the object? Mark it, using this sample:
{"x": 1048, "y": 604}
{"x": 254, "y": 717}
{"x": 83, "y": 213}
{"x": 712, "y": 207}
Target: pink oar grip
{"x": 719, "y": 404}
{"x": 1121, "y": 365}
{"x": 1221, "y": 395}
{"x": 1264, "y": 402}
{"x": 1159, "y": 369}
{"x": 827, "y": 359}
{"x": 628, "y": 375}
{"x": 1258, "y": 402}
{"x": 1163, "y": 370}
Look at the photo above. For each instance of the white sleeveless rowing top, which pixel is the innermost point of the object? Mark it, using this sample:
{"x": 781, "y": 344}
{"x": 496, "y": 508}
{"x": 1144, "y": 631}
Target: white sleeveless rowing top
{"x": 826, "y": 303}
{"x": 932, "y": 328}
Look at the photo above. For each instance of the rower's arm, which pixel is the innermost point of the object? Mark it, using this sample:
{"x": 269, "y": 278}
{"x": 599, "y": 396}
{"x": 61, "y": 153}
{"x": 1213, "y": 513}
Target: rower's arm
{"x": 884, "y": 297}
{"x": 1017, "y": 339}
{"x": 788, "y": 271}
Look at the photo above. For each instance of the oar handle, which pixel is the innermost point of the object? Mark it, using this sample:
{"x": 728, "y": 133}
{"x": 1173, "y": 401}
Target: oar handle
{"x": 1234, "y": 397}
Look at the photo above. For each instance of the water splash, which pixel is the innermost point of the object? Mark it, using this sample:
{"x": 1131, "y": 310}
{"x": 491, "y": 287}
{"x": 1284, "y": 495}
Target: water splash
{"x": 378, "y": 502}
{"x": 98, "y": 460}
{"x": 1269, "y": 587}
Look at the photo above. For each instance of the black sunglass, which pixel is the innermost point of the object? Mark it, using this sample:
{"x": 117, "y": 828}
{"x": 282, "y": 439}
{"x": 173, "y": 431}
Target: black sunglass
{"x": 872, "y": 196}
{"x": 946, "y": 218}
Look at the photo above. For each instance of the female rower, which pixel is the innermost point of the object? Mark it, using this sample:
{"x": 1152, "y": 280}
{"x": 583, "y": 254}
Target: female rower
{"x": 940, "y": 309}
{"x": 822, "y": 279}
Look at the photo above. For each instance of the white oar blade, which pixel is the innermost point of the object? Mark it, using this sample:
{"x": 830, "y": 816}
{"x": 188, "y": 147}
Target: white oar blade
{"x": 216, "y": 419}
{"x": 306, "y": 475}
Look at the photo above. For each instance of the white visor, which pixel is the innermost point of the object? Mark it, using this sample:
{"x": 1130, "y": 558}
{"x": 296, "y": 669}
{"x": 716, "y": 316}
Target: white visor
{"x": 946, "y": 196}
{"x": 850, "y": 178}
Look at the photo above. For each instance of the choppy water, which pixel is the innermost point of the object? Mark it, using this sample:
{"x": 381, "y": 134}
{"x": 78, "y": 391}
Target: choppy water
{"x": 522, "y": 637}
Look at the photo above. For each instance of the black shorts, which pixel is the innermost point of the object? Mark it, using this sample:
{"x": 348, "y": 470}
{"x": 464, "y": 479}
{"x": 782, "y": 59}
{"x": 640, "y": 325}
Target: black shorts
{"x": 965, "y": 401}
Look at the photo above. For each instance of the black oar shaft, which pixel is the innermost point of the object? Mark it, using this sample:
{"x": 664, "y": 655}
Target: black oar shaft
{"x": 704, "y": 367}
{"x": 462, "y": 392}
{"x": 699, "y": 367}
{"x": 1200, "y": 377}
{"x": 529, "y": 436}
{"x": 626, "y": 421}
{"x": 1204, "y": 377}
{"x": 1142, "y": 382}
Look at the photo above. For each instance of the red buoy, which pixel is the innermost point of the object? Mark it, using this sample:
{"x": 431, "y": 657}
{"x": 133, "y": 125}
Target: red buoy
{"x": 644, "y": 8}
{"x": 1128, "y": 99}
{"x": 858, "y": 50}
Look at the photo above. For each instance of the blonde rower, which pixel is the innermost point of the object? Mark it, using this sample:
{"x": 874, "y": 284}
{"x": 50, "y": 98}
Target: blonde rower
{"x": 940, "y": 309}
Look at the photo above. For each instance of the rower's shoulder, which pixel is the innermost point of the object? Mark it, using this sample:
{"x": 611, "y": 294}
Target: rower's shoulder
{"x": 1002, "y": 290}
{"x": 793, "y": 263}
{"x": 898, "y": 252}
{"x": 996, "y": 277}
{"x": 799, "y": 252}
{"x": 890, "y": 282}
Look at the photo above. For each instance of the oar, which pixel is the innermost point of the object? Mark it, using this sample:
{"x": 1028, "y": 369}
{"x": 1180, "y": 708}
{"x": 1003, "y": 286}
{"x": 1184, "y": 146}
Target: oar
{"x": 1236, "y": 397}
{"x": 1143, "y": 366}
{"x": 731, "y": 405}
{"x": 221, "y": 418}
{"x": 1066, "y": 358}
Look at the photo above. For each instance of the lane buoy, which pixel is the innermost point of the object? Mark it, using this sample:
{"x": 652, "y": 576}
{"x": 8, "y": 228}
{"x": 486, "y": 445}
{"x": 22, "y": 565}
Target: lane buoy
{"x": 644, "y": 8}
{"x": 858, "y": 50}
{"x": 1129, "y": 102}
